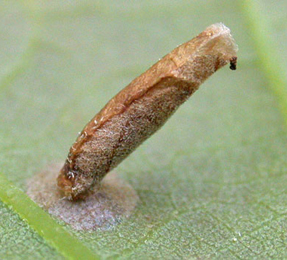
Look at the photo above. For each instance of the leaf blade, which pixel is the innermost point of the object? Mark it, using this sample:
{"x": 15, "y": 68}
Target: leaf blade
{"x": 39, "y": 220}
{"x": 215, "y": 171}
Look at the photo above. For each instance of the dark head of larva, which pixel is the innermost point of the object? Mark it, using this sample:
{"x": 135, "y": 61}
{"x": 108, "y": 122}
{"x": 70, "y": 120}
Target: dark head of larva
{"x": 66, "y": 180}
{"x": 233, "y": 63}
{"x": 71, "y": 185}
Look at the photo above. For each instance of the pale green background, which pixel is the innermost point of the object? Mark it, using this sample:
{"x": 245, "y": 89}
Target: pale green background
{"x": 212, "y": 182}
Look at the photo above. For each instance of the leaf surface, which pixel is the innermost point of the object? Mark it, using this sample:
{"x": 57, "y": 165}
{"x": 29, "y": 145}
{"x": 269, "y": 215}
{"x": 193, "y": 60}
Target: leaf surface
{"x": 211, "y": 182}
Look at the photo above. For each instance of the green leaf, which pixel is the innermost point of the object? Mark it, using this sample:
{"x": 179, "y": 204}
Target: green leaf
{"x": 211, "y": 182}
